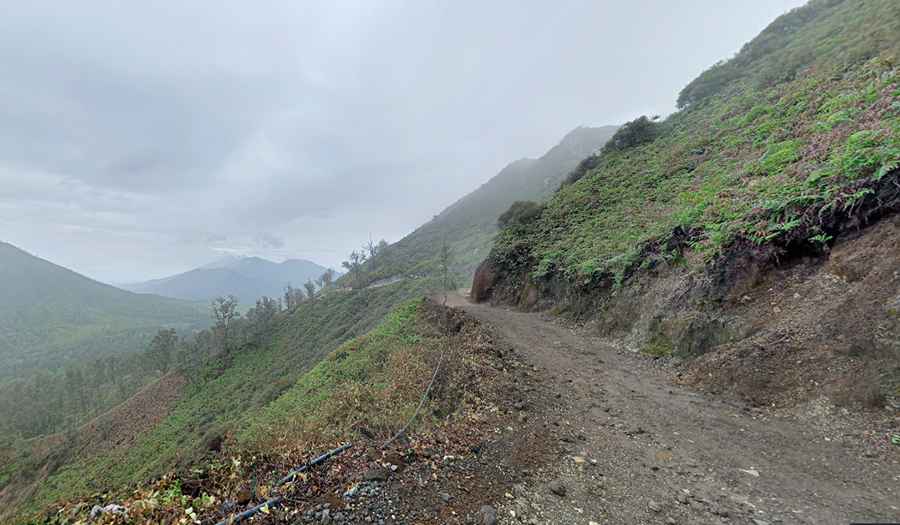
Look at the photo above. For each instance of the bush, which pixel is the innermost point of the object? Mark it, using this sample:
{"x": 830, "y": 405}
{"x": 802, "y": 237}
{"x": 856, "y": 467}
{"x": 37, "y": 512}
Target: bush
{"x": 639, "y": 131}
{"x": 583, "y": 168}
{"x": 520, "y": 213}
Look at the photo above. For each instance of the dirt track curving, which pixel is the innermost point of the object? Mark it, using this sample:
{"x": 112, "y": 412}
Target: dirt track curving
{"x": 639, "y": 449}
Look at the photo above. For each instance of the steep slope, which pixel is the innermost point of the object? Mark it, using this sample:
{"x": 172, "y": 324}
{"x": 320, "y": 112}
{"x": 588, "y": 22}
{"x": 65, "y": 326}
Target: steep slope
{"x": 748, "y": 198}
{"x": 246, "y": 370}
{"x": 468, "y": 226}
{"x": 50, "y": 315}
{"x": 670, "y": 239}
{"x": 363, "y": 392}
{"x": 247, "y": 278}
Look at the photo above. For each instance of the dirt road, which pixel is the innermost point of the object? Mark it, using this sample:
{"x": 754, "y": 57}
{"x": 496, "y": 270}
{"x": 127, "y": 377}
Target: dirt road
{"x": 637, "y": 448}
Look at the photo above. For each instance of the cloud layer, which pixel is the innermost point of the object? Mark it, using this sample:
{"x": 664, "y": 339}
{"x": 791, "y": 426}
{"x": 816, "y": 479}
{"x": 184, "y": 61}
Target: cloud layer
{"x": 139, "y": 139}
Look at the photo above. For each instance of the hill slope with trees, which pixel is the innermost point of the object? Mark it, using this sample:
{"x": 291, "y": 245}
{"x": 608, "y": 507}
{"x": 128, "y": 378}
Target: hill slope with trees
{"x": 468, "y": 226}
{"x": 721, "y": 212}
{"x": 50, "y": 315}
{"x": 725, "y": 227}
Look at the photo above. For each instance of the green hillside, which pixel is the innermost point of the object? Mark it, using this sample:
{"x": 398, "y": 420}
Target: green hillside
{"x": 778, "y": 149}
{"x": 469, "y": 225}
{"x": 240, "y": 381}
{"x": 50, "y": 316}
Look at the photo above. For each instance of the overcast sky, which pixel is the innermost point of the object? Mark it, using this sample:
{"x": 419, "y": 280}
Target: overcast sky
{"x": 139, "y": 139}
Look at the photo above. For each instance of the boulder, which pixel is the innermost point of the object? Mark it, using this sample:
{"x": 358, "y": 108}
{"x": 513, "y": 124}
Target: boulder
{"x": 484, "y": 281}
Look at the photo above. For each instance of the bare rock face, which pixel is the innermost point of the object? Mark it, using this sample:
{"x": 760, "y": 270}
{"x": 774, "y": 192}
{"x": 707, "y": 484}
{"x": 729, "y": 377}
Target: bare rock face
{"x": 484, "y": 281}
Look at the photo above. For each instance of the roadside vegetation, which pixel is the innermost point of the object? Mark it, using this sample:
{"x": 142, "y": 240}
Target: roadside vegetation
{"x": 372, "y": 383}
{"x": 232, "y": 371}
{"x": 779, "y": 146}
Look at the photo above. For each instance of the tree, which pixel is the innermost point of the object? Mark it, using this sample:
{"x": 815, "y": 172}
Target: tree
{"x": 264, "y": 311}
{"x": 326, "y": 279}
{"x": 310, "y": 289}
{"x": 445, "y": 260}
{"x": 520, "y": 213}
{"x": 224, "y": 310}
{"x": 354, "y": 267}
{"x": 639, "y": 131}
{"x": 371, "y": 249}
{"x": 292, "y": 297}
{"x": 162, "y": 349}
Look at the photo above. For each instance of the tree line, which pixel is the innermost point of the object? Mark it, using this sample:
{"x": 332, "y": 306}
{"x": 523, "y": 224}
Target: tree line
{"x": 52, "y": 401}
{"x": 356, "y": 262}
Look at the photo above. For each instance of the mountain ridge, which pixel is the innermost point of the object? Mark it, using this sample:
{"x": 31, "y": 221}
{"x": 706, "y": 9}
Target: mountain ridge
{"x": 248, "y": 278}
{"x": 468, "y": 225}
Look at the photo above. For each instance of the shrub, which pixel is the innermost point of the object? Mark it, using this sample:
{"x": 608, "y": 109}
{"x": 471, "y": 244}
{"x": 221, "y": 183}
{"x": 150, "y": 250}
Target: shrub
{"x": 583, "y": 168}
{"x": 639, "y": 131}
{"x": 520, "y": 214}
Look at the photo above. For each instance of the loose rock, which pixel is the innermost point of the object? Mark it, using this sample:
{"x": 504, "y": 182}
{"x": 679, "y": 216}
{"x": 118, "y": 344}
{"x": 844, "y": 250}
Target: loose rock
{"x": 557, "y": 487}
{"x": 487, "y": 515}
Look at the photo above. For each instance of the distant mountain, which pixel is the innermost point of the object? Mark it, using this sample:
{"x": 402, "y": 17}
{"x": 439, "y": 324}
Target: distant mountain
{"x": 468, "y": 226}
{"x": 247, "y": 278}
{"x": 50, "y": 315}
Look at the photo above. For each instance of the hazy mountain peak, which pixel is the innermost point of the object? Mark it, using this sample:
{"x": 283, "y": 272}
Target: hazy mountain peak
{"x": 247, "y": 277}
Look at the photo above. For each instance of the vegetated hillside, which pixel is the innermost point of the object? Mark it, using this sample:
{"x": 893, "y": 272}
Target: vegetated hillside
{"x": 777, "y": 157}
{"x": 234, "y": 373}
{"x": 235, "y": 384}
{"x": 362, "y": 392}
{"x": 247, "y": 278}
{"x": 50, "y": 315}
{"x": 468, "y": 226}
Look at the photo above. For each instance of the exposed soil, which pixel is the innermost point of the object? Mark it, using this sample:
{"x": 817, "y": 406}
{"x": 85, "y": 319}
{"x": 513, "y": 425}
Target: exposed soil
{"x": 637, "y": 448}
{"x": 828, "y": 326}
{"x": 118, "y": 427}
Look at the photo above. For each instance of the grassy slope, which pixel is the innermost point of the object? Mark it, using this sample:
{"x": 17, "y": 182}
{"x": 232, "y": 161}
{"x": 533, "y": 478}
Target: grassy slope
{"x": 49, "y": 314}
{"x": 374, "y": 380}
{"x": 771, "y": 151}
{"x": 354, "y": 377}
{"x": 469, "y": 225}
{"x": 227, "y": 396}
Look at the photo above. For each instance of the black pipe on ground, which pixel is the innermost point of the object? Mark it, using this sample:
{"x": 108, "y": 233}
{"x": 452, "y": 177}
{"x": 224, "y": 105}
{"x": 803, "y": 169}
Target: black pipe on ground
{"x": 274, "y": 502}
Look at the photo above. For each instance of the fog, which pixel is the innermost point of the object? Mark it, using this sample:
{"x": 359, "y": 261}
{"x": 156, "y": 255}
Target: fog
{"x": 138, "y": 139}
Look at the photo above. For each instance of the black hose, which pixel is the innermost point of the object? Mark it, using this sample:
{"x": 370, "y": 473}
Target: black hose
{"x": 274, "y": 502}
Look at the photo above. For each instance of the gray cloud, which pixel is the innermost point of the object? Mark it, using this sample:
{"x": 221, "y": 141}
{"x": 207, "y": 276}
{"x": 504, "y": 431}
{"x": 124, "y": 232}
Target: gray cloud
{"x": 138, "y": 139}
